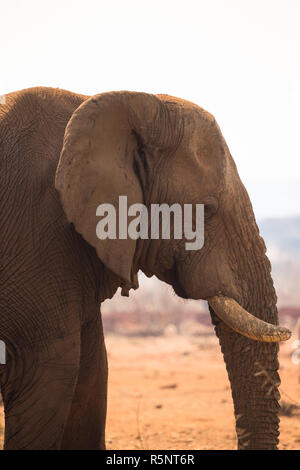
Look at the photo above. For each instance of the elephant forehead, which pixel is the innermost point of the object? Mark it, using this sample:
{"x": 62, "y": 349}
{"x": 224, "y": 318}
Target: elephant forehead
{"x": 204, "y": 144}
{"x": 201, "y": 161}
{"x": 186, "y": 106}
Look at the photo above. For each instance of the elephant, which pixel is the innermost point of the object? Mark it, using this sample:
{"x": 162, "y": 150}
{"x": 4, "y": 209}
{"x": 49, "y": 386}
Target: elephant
{"x": 63, "y": 154}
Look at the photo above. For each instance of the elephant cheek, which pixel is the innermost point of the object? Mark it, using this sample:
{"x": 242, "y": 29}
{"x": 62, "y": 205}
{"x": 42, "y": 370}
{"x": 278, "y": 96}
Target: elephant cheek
{"x": 208, "y": 276}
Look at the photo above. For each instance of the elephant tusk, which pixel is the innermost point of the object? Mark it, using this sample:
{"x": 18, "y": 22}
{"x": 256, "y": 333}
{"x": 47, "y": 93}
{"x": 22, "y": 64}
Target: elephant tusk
{"x": 241, "y": 321}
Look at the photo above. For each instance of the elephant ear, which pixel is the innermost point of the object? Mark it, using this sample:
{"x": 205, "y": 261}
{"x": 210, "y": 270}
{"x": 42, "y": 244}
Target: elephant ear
{"x": 96, "y": 166}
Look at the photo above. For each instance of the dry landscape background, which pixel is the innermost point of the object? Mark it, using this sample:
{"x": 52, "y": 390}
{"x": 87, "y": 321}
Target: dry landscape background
{"x": 168, "y": 387}
{"x": 172, "y": 392}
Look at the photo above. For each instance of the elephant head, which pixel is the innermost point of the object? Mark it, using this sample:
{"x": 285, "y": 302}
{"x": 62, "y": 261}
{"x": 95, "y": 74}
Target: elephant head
{"x": 161, "y": 149}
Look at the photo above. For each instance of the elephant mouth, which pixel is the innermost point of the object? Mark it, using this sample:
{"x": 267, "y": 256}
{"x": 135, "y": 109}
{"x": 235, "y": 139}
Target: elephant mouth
{"x": 236, "y": 317}
{"x": 179, "y": 290}
{"x": 171, "y": 277}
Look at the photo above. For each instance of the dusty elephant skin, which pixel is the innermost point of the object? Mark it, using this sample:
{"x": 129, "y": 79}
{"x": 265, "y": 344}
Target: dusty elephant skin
{"x": 62, "y": 155}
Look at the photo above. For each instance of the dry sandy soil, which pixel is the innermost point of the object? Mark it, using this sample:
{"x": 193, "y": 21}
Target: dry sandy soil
{"x": 173, "y": 393}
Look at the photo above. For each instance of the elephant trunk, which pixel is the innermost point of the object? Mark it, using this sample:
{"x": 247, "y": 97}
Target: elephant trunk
{"x": 252, "y": 364}
{"x": 253, "y": 373}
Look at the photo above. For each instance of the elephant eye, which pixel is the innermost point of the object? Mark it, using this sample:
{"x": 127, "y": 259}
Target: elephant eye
{"x": 210, "y": 206}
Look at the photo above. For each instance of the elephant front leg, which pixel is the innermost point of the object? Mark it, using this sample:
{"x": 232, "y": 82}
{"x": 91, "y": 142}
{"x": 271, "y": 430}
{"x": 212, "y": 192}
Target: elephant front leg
{"x": 252, "y": 370}
{"x": 38, "y": 389}
{"x": 85, "y": 428}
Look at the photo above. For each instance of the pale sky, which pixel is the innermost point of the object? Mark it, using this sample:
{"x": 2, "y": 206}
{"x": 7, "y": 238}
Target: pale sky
{"x": 239, "y": 59}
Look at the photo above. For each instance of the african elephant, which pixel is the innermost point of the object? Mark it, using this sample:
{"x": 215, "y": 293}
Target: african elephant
{"x": 62, "y": 154}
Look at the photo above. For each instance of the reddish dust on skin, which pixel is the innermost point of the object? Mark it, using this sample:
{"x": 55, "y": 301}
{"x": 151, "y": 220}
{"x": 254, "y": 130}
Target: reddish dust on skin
{"x": 173, "y": 393}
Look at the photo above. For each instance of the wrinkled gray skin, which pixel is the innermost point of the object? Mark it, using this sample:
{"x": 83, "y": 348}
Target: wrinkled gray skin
{"x": 52, "y": 281}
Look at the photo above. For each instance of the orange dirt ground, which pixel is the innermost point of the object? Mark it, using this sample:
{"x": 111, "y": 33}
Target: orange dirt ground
{"x": 173, "y": 393}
